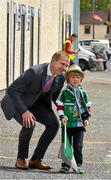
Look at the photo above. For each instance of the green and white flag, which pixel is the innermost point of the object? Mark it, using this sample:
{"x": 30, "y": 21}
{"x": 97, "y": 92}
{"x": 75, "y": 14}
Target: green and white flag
{"x": 66, "y": 152}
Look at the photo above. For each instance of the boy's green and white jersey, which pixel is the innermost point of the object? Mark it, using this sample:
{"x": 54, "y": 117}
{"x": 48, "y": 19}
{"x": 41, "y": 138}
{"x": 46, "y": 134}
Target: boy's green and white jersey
{"x": 71, "y": 103}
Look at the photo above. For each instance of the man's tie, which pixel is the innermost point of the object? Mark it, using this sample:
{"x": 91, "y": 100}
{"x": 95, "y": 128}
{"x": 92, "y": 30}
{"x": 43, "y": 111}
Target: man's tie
{"x": 48, "y": 83}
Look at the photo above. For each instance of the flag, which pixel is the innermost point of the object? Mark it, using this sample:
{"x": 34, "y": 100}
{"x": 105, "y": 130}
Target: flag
{"x": 96, "y": 17}
{"x": 66, "y": 152}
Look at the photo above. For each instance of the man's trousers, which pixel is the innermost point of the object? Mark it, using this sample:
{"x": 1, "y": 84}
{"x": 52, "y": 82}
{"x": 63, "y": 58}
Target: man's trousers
{"x": 46, "y": 116}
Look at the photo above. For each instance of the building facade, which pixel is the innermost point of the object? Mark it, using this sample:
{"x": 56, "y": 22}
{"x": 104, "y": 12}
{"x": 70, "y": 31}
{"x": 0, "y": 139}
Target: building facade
{"x": 90, "y": 28}
{"x": 32, "y": 30}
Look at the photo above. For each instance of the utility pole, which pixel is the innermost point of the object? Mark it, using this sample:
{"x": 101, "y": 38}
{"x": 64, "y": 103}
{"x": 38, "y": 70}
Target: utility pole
{"x": 75, "y": 16}
{"x": 75, "y": 23}
{"x": 108, "y": 23}
{"x": 93, "y": 25}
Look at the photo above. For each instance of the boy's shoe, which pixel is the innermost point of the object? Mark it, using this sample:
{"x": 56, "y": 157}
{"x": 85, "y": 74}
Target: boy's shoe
{"x": 80, "y": 170}
{"x": 64, "y": 170}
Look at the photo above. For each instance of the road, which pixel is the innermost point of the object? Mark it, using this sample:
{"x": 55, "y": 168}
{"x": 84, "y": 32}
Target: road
{"x": 97, "y": 142}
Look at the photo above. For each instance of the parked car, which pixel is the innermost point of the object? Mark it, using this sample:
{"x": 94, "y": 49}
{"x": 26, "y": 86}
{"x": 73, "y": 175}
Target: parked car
{"x": 90, "y": 43}
{"x": 87, "y": 59}
{"x": 87, "y": 43}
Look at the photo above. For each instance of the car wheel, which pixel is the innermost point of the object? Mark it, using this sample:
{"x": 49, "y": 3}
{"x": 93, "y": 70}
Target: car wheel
{"x": 83, "y": 64}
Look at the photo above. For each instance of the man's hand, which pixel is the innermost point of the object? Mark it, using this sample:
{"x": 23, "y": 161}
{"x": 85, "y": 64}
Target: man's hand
{"x": 86, "y": 122}
{"x": 28, "y": 119}
{"x": 76, "y": 51}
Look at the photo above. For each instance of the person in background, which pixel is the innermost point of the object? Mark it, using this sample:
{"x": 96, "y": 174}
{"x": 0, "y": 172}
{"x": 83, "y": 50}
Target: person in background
{"x": 74, "y": 110}
{"x": 29, "y": 100}
{"x": 68, "y": 47}
{"x": 103, "y": 54}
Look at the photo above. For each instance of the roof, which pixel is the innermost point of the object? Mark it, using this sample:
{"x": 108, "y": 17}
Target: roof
{"x": 88, "y": 40}
{"x": 85, "y": 16}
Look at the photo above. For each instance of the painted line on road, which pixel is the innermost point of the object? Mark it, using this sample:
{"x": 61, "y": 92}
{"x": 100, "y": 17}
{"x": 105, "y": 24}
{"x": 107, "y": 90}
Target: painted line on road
{"x": 97, "y": 142}
{"x": 6, "y": 157}
{"x": 8, "y": 138}
{"x": 34, "y": 139}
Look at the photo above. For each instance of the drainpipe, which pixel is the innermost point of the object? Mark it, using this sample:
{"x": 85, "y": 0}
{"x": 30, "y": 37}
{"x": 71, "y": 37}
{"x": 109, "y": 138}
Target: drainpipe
{"x": 59, "y": 28}
{"x": 11, "y": 30}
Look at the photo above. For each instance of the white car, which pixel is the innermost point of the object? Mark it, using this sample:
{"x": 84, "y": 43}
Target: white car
{"x": 87, "y": 59}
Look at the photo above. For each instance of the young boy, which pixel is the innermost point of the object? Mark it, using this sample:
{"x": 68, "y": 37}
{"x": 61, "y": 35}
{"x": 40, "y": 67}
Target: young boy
{"x": 74, "y": 110}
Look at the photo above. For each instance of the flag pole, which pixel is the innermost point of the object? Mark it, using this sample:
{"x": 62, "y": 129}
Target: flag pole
{"x": 65, "y": 136}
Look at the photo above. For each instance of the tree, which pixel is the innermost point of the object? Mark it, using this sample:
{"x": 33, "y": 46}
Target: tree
{"x": 85, "y": 4}
{"x": 99, "y": 4}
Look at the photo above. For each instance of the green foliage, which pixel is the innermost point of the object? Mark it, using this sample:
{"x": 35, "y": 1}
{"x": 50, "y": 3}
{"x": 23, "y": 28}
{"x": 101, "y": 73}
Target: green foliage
{"x": 96, "y": 4}
{"x": 85, "y": 4}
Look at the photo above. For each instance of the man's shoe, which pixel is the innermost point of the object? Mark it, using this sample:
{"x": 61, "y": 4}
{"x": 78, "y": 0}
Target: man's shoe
{"x": 38, "y": 164}
{"x": 21, "y": 164}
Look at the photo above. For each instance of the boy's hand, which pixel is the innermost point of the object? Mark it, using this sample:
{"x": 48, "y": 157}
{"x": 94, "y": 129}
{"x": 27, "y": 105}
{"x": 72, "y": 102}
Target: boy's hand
{"x": 64, "y": 120}
{"x": 86, "y": 122}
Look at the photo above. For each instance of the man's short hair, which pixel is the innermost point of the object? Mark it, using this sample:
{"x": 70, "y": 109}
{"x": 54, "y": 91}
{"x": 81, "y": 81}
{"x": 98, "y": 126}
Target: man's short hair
{"x": 58, "y": 54}
{"x": 74, "y": 35}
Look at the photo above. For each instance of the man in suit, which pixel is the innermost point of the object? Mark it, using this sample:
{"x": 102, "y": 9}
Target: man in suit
{"x": 29, "y": 99}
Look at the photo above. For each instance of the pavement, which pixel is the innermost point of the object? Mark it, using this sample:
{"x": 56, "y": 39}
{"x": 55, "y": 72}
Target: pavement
{"x": 97, "y": 141}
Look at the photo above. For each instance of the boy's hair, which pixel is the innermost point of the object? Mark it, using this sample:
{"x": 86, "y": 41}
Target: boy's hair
{"x": 73, "y": 73}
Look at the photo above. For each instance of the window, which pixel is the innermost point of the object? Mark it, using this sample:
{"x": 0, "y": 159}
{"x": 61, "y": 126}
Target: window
{"x": 87, "y": 29}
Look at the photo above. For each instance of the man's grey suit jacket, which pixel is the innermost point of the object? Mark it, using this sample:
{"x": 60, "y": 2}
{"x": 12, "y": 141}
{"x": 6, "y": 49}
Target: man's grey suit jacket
{"x": 26, "y": 89}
